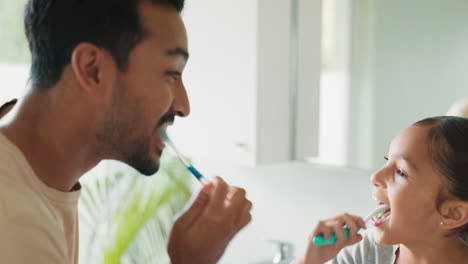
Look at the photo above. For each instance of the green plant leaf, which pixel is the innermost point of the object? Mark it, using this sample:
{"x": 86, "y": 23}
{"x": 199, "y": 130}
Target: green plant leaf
{"x": 126, "y": 218}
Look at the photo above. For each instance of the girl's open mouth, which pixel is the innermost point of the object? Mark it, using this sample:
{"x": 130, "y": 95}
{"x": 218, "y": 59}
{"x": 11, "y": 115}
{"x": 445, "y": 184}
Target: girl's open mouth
{"x": 381, "y": 217}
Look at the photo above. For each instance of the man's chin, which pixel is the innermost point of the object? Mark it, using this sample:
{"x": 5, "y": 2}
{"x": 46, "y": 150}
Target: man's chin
{"x": 148, "y": 170}
{"x": 147, "y": 166}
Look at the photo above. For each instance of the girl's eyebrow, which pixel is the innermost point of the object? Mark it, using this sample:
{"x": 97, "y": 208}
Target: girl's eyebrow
{"x": 407, "y": 160}
{"x": 403, "y": 157}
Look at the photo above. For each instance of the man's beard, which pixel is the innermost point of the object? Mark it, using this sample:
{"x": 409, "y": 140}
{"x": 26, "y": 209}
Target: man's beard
{"x": 138, "y": 154}
{"x": 117, "y": 137}
{"x": 117, "y": 141}
{"x": 138, "y": 157}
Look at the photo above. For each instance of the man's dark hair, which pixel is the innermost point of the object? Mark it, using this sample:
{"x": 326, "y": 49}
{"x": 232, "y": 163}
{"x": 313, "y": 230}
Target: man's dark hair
{"x": 55, "y": 27}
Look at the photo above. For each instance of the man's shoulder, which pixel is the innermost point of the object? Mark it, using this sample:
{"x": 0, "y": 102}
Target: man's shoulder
{"x": 29, "y": 231}
{"x": 18, "y": 200}
{"x": 10, "y": 164}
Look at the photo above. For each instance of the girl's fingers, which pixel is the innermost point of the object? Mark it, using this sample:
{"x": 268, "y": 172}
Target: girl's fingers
{"x": 351, "y": 223}
{"x": 338, "y": 229}
{"x": 337, "y": 226}
{"x": 361, "y": 223}
{"x": 323, "y": 229}
{"x": 354, "y": 240}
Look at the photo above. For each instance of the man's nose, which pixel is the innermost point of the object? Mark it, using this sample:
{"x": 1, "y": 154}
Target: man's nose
{"x": 181, "y": 104}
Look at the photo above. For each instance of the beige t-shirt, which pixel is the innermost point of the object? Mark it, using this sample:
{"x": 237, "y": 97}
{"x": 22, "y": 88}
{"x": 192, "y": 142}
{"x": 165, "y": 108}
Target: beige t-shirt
{"x": 38, "y": 224}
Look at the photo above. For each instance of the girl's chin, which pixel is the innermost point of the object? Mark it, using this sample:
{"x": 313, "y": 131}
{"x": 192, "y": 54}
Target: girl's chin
{"x": 381, "y": 237}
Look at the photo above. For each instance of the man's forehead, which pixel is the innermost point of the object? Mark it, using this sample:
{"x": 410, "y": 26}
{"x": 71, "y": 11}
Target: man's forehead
{"x": 161, "y": 20}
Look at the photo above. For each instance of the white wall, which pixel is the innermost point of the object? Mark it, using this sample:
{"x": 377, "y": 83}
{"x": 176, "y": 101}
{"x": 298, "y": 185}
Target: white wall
{"x": 412, "y": 61}
{"x": 220, "y": 78}
{"x": 14, "y": 78}
{"x": 288, "y": 200}
{"x": 241, "y": 81}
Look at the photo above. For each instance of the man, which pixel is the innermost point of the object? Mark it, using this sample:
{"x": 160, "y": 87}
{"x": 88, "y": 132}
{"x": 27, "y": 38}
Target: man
{"x": 105, "y": 78}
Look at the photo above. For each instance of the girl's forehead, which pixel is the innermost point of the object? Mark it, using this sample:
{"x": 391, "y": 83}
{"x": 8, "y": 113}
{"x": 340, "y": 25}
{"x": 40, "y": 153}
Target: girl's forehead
{"x": 412, "y": 141}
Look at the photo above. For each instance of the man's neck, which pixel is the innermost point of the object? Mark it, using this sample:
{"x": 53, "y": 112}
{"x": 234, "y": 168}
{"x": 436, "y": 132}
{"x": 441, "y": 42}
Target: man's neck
{"x": 54, "y": 137}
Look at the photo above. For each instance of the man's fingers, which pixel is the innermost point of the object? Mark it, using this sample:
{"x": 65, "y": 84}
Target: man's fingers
{"x": 219, "y": 194}
{"x": 236, "y": 198}
{"x": 244, "y": 216}
{"x": 245, "y": 220}
{"x": 196, "y": 208}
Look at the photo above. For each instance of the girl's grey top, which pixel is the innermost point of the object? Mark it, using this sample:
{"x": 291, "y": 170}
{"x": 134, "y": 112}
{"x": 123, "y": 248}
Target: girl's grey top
{"x": 366, "y": 252}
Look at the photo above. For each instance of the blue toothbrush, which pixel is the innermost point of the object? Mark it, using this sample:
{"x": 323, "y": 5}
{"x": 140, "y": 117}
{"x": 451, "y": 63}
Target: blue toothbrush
{"x": 195, "y": 172}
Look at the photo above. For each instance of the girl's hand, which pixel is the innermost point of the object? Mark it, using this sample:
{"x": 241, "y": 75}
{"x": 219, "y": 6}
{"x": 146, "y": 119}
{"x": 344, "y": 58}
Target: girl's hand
{"x": 321, "y": 254}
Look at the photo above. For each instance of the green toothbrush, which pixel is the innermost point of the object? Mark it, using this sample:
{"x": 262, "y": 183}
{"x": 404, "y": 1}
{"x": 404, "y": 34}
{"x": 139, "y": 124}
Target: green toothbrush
{"x": 378, "y": 212}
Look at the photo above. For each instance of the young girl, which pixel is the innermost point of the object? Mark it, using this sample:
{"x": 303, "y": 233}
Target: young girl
{"x": 425, "y": 184}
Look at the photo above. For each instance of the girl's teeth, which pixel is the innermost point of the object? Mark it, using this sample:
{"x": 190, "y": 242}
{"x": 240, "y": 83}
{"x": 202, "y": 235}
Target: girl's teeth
{"x": 379, "y": 219}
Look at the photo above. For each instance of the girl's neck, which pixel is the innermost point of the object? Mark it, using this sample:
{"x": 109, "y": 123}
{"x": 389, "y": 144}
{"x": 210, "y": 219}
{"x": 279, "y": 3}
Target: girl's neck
{"x": 447, "y": 251}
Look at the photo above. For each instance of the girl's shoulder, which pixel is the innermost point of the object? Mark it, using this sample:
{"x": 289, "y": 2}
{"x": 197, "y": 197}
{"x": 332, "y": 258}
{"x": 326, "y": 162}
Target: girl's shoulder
{"x": 366, "y": 252}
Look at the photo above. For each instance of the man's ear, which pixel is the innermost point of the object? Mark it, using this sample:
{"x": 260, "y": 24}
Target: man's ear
{"x": 89, "y": 65}
{"x": 454, "y": 214}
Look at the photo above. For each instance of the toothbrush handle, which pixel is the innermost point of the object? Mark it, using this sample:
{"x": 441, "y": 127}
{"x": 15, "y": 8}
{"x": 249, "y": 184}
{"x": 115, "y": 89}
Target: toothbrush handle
{"x": 320, "y": 240}
{"x": 196, "y": 173}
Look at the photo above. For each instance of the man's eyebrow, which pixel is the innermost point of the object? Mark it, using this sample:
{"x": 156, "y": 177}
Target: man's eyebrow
{"x": 177, "y": 52}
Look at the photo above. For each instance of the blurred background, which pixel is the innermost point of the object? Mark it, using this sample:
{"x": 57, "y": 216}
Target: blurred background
{"x": 294, "y": 100}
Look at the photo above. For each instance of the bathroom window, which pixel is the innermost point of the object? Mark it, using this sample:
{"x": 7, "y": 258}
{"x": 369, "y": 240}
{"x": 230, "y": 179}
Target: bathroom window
{"x": 334, "y": 83}
{"x": 14, "y": 54}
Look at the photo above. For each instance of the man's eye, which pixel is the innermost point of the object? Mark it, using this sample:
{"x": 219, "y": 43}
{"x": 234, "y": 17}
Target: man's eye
{"x": 174, "y": 74}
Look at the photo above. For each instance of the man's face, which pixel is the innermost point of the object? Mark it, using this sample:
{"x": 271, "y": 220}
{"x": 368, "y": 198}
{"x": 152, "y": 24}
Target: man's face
{"x": 150, "y": 93}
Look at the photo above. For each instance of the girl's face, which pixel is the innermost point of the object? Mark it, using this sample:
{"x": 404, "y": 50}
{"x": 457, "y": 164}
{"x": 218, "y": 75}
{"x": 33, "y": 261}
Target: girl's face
{"x": 409, "y": 184}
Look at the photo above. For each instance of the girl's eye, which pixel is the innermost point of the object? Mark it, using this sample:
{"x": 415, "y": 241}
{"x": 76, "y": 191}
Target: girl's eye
{"x": 401, "y": 173}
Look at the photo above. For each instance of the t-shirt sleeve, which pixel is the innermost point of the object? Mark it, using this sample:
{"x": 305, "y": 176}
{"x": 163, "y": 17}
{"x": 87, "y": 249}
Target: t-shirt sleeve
{"x": 355, "y": 254}
{"x": 28, "y": 246}
{"x": 366, "y": 252}
{"x": 27, "y": 238}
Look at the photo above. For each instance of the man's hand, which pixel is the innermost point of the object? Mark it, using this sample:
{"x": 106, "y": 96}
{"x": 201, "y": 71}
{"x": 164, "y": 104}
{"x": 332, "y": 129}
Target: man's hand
{"x": 201, "y": 234}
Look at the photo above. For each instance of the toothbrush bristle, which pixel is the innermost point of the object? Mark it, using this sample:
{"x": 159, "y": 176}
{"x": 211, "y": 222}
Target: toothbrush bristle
{"x": 381, "y": 213}
{"x": 164, "y": 135}
{"x": 379, "y": 210}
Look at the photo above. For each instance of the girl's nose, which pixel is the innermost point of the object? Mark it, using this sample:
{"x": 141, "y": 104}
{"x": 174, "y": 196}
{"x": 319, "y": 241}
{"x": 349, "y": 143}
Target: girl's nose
{"x": 378, "y": 178}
